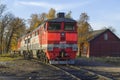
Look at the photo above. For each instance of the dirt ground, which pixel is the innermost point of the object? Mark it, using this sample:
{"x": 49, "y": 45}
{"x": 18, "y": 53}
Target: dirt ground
{"x": 21, "y": 67}
{"x": 18, "y": 67}
{"x": 29, "y": 70}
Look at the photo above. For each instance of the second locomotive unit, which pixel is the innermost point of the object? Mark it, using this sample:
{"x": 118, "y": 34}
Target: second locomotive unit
{"x": 54, "y": 41}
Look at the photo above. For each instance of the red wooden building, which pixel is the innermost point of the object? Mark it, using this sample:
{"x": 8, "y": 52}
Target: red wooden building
{"x": 102, "y": 43}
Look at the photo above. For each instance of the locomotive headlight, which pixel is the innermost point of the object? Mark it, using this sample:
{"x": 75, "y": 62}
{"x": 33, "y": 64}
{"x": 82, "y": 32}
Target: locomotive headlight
{"x": 66, "y": 54}
{"x": 74, "y": 47}
{"x": 50, "y": 47}
{"x": 62, "y": 34}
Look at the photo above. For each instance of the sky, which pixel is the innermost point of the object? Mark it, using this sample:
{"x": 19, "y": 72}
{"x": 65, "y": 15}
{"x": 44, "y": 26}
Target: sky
{"x": 102, "y": 13}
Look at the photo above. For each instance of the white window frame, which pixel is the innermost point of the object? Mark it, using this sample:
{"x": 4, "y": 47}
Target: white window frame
{"x": 105, "y": 36}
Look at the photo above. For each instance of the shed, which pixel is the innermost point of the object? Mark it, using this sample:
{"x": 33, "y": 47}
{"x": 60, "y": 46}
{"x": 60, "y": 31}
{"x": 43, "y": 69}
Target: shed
{"x": 102, "y": 43}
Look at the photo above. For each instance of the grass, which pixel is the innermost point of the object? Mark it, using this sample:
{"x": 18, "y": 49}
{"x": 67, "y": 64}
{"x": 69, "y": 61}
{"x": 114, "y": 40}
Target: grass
{"x": 8, "y": 57}
{"x": 110, "y": 60}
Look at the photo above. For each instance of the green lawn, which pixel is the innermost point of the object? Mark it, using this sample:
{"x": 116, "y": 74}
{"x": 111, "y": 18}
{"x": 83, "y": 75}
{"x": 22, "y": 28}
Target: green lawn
{"x": 8, "y": 57}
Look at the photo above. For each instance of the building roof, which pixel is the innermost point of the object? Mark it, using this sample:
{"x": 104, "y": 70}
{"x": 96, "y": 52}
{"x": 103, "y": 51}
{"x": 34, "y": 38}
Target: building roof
{"x": 97, "y": 33}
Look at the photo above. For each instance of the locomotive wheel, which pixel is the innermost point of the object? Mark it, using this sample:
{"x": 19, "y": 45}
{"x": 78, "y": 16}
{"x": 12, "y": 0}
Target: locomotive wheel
{"x": 25, "y": 55}
{"x": 30, "y": 55}
{"x": 46, "y": 61}
{"x": 42, "y": 56}
{"x": 38, "y": 54}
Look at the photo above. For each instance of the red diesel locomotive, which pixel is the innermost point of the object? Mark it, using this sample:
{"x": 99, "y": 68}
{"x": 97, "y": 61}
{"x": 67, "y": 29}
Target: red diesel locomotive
{"x": 54, "y": 41}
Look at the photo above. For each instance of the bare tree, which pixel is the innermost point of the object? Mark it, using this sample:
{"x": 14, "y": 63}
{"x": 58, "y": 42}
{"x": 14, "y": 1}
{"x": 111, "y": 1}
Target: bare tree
{"x": 4, "y": 21}
{"x": 16, "y": 29}
{"x": 4, "y": 25}
{"x": 11, "y": 28}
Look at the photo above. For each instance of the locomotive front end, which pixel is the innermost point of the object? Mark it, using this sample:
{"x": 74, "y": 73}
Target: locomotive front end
{"x": 62, "y": 40}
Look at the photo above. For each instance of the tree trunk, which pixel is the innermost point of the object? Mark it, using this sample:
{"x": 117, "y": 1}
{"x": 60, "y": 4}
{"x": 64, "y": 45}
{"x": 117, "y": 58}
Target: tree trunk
{"x": 1, "y": 39}
{"x": 9, "y": 41}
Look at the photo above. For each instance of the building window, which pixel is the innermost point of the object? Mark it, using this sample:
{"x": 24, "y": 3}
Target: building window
{"x": 105, "y": 36}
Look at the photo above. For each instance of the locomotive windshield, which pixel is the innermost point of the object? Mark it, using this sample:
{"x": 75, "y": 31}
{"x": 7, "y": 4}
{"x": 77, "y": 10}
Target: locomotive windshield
{"x": 54, "y": 26}
{"x": 69, "y": 26}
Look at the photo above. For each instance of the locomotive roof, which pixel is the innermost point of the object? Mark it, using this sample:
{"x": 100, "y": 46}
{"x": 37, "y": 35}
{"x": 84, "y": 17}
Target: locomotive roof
{"x": 61, "y": 20}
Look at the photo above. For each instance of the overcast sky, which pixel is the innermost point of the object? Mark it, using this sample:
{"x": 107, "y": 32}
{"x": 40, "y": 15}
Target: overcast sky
{"x": 101, "y": 12}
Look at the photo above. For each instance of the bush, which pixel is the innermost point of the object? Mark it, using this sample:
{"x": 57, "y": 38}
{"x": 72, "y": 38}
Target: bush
{"x": 5, "y": 55}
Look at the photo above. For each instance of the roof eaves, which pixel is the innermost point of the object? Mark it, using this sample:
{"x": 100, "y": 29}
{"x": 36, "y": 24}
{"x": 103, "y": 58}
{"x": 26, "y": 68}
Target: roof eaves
{"x": 96, "y": 34}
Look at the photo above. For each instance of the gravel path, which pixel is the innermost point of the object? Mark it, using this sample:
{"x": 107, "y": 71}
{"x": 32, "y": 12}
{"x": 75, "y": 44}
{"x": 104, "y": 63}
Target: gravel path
{"x": 102, "y": 68}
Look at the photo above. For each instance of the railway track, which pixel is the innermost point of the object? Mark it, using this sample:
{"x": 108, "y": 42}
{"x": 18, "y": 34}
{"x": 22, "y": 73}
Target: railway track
{"x": 96, "y": 76}
{"x": 113, "y": 75}
{"x": 80, "y": 73}
{"x": 77, "y": 73}
{"x": 58, "y": 73}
